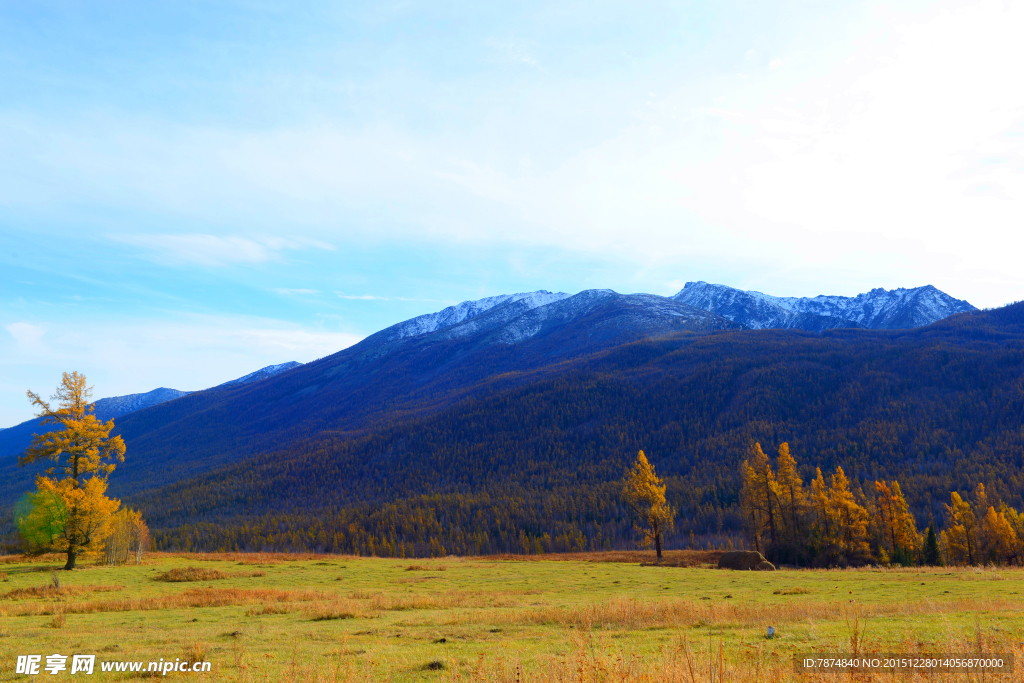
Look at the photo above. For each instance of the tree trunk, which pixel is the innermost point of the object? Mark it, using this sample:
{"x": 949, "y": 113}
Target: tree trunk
{"x": 657, "y": 544}
{"x": 71, "y": 558}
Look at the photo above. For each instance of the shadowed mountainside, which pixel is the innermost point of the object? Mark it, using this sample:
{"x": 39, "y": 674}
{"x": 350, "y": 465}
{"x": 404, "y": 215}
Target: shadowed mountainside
{"x": 540, "y": 453}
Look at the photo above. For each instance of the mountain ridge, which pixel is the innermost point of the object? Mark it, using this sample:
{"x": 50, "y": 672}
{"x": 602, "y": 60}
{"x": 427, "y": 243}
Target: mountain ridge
{"x": 415, "y": 367}
{"x": 879, "y": 308}
{"x": 937, "y": 408}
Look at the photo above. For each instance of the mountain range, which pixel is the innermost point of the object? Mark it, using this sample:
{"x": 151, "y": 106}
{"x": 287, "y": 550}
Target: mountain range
{"x": 878, "y": 309}
{"x": 559, "y": 388}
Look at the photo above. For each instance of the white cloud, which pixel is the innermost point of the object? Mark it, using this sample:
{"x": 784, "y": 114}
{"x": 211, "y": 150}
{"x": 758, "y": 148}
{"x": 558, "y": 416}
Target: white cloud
{"x": 894, "y": 160}
{"x": 214, "y": 250}
{"x": 26, "y": 334}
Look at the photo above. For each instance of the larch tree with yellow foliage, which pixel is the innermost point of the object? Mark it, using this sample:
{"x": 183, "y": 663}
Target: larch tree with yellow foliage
{"x": 644, "y": 493}
{"x": 760, "y": 496}
{"x": 70, "y": 514}
{"x": 823, "y": 525}
{"x": 960, "y": 539}
{"x": 894, "y": 522}
{"x": 1000, "y": 538}
{"x": 850, "y": 517}
{"x": 792, "y": 500}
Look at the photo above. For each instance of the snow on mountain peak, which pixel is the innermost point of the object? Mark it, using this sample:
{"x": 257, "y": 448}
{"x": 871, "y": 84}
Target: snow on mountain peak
{"x": 262, "y": 373}
{"x": 461, "y": 312}
{"x": 876, "y": 309}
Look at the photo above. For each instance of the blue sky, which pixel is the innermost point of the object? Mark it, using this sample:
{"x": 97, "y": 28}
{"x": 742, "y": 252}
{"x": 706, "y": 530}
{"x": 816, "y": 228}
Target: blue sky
{"x": 190, "y": 191}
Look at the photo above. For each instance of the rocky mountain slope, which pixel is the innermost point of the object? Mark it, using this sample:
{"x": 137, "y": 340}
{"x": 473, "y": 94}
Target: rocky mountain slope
{"x": 879, "y": 309}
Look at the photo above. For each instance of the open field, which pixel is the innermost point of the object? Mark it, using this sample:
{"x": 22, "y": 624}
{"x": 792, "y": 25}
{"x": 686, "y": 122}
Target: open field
{"x": 313, "y": 618}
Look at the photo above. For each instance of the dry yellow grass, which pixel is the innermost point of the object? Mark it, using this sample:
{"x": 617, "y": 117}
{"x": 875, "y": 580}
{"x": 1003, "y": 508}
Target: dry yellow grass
{"x": 184, "y": 574}
{"x": 671, "y": 558}
{"x": 363, "y": 619}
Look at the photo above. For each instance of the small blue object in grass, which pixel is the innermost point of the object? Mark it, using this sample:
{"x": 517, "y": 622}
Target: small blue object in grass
{"x": 771, "y": 632}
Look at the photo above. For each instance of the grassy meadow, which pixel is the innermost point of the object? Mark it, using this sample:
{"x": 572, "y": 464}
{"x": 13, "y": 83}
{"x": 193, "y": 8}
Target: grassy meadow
{"x": 586, "y": 617}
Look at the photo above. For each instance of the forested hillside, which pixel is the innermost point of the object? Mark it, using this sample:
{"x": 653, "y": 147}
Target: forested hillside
{"x": 530, "y": 460}
{"x": 388, "y": 376}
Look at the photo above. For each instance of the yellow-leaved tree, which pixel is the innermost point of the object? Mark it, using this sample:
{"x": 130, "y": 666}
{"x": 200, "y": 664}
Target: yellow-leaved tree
{"x": 894, "y": 522}
{"x": 960, "y": 539}
{"x": 127, "y": 538}
{"x": 792, "y": 499}
{"x": 760, "y": 496}
{"x": 70, "y": 514}
{"x": 645, "y": 495}
{"x": 851, "y": 517}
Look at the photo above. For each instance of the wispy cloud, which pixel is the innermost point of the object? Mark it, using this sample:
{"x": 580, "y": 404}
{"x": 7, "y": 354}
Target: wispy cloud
{"x": 512, "y": 51}
{"x": 362, "y": 297}
{"x": 372, "y": 297}
{"x": 26, "y": 334}
{"x": 216, "y": 250}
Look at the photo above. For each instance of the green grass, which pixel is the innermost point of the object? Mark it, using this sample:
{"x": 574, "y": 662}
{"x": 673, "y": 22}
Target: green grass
{"x": 272, "y": 618}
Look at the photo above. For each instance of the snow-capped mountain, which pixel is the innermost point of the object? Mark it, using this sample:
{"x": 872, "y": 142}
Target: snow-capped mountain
{"x": 453, "y": 315}
{"x": 513, "y": 318}
{"x": 262, "y": 373}
{"x": 878, "y": 309}
{"x": 630, "y": 314}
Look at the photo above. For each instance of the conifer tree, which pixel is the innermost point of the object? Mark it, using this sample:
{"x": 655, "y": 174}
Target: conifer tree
{"x": 792, "y": 499}
{"x": 761, "y": 493}
{"x": 84, "y": 452}
{"x": 960, "y": 538}
{"x": 644, "y": 493}
{"x": 931, "y": 555}
{"x": 852, "y": 518}
{"x": 823, "y": 522}
{"x": 1001, "y": 540}
{"x": 894, "y": 520}
{"x": 1015, "y": 520}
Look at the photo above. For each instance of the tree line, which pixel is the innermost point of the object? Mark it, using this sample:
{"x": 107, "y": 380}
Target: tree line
{"x": 835, "y": 522}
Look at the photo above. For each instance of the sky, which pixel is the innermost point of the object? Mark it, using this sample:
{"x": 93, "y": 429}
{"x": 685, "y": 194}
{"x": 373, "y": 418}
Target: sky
{"x": 192, "y": 190}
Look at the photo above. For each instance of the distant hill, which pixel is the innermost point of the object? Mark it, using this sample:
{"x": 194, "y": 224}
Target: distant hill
{"x": 14, "y": 440}
{"x": 878, "y": 309}
{"x": 116, "y": 406}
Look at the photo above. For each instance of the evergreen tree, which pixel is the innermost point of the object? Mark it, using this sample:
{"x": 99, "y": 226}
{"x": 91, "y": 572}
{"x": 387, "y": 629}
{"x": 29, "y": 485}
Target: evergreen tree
{"x": 931, "y": 555}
